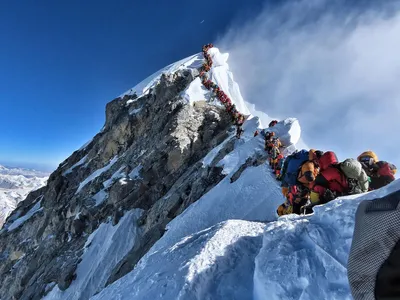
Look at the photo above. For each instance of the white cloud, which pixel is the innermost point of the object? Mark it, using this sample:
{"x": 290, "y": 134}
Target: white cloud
{"x": 336, "y": 69}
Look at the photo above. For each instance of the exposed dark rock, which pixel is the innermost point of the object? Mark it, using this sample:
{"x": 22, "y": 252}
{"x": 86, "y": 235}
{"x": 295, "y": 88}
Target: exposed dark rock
{"x": 150, "y": 152}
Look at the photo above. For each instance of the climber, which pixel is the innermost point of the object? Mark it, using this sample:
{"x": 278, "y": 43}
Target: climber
{"x": 274, "y": 152}
{"x": 278, "y": 165}
{"x": 273, "y": 123}
{"x": 381, "y": 173}
{"x": 307, "y": 173}
{"x": 241, "y": 119}
{"x": 291, "y": 167}
{"x": 255, "y": 133}
{"x": 298, "y": 194}
{"x": 296, "y": 198}
{"x": 337, "y": 179}
{"x": 268, "y": 138}
{"x": 291, "y": 187}
{"x": 239, "y": 131}
{"x": 315, "y": 155}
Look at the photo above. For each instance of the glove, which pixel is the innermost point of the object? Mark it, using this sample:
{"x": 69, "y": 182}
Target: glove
{"x": 329, "y": 195}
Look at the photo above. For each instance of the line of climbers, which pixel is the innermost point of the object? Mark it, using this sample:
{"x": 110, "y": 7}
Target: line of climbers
{"x": 313, "y": 177}
{"x": 309, "y": 177}
{"x": 237, "y": 117}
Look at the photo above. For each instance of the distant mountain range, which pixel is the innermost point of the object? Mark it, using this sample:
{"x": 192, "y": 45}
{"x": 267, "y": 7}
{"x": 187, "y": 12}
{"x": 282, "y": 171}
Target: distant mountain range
{"x": 15, "y": 184}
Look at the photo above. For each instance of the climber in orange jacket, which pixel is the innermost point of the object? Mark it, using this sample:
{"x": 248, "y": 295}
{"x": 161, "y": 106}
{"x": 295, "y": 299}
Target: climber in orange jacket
{"x": 298, "y": 195}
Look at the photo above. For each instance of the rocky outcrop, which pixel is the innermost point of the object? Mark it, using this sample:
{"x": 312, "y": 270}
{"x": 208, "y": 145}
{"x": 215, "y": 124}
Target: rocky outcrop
{"x": 147, "y": 156}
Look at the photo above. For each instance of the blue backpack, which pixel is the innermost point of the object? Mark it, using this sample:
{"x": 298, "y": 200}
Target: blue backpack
{"x": 293, "y": 164}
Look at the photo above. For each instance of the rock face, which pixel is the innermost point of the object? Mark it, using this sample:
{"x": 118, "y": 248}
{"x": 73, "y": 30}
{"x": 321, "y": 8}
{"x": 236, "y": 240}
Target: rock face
{"x": 148, "y": 157}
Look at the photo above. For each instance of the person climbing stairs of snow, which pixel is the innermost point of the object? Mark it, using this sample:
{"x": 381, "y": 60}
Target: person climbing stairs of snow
{"x": 268, "y": 139}
{"x": 291, "y": 187}
{"x": 273, "y": 123}
{"x": 381, "y": 173}
{"x": 277, "y": 165}
{"x": 298, "y": 174}
{"x": 239, "y": 131}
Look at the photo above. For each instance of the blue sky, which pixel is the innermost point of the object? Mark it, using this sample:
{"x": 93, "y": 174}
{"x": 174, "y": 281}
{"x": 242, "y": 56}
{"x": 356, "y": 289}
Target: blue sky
{"x": 62, "y": 61}
{"x": 333, "y": 64}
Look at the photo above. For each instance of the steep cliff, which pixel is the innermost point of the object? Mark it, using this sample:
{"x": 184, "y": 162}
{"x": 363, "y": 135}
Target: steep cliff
{"x": 143, "y": 169}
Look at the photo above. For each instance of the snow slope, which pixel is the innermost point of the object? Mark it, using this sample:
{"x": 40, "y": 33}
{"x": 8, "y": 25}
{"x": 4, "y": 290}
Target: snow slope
{"x": 104, "y": 248}
{"x": 310, "y": 252}
{"x": 295, "y": 257}
{"x": 211, "y": 264}
{"x": 15, "y": 185}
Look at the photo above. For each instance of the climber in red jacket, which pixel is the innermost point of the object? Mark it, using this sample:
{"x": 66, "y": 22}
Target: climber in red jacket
{"x": 330, "y": 182}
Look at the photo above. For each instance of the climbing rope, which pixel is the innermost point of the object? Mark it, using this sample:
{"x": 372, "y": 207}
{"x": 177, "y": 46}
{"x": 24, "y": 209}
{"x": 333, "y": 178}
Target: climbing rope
{"x": 237, "y": 117}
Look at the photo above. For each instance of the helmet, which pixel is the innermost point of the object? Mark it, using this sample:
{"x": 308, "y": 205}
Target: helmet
{"x": 368, "y": 157}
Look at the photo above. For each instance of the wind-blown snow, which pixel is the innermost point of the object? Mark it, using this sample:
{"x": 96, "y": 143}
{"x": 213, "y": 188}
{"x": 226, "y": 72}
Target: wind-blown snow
{"x": 104, "y": 248}
{"x": 96, "y": 174}
{"x": 21, "y": 220}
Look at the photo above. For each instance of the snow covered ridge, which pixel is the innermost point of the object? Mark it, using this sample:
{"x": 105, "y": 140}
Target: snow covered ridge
{"x": 165, "y": 203}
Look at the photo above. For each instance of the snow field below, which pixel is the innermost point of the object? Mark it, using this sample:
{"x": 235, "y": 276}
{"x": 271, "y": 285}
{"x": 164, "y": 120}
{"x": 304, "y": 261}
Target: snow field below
{"x": 104, "y": 249}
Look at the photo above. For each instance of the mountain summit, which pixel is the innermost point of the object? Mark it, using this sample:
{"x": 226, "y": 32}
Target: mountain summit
{"x": 165, "y": 203}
